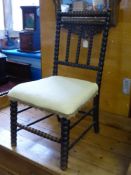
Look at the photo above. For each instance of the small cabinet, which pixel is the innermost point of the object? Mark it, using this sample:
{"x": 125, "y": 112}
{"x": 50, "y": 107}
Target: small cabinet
{"x": 26, "y": 41}
{"x": 2, "y": 70}
{"x": 29, "y": 41}
{"x": 18, "y": 72}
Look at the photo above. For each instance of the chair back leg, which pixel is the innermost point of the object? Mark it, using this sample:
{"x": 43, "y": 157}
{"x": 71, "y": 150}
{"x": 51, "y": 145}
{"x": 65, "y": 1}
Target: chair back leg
{"x": 96, "y": 114}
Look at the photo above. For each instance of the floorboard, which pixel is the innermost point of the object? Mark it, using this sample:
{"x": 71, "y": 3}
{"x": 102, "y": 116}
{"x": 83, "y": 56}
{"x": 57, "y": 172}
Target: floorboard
{"x": 106, "y": 153}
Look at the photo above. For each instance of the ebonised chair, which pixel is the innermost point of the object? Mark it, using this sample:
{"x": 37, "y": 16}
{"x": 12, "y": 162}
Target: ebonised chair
{"x": 62, "y": 95}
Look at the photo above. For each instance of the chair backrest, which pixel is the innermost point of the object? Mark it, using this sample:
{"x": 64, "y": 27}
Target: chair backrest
{"x": 85, "y": 25}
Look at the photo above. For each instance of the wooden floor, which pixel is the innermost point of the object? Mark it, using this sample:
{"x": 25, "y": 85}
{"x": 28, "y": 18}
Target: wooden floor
{"x": 107, "y": 153}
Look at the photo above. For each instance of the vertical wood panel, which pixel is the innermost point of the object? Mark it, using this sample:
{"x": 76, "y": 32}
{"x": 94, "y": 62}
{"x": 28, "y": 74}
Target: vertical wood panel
{"x": 118, "y": 65}
{"x": 118, "y": 57}
{"x": 47, "y": 35}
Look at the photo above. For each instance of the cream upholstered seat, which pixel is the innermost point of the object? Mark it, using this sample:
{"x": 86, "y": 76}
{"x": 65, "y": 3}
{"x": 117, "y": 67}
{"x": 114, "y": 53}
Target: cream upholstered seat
{"x": 59, "y": 94}
{"x": 64, "y": 96}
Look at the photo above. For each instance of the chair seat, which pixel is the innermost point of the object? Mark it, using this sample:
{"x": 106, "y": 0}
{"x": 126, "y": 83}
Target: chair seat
{"x": 59, "y": 94}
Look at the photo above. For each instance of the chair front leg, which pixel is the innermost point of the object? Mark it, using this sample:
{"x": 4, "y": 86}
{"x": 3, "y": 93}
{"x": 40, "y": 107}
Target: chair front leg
{"x": 13, "y": 118}
{"x": 96, "y": 114}
{"x": 65, "y": 133}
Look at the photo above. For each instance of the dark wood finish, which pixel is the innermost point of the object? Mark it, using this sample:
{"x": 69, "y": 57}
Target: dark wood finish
{"x": 13, "y": 114}
{"x": 38, "y": 132}
{"x": 26, "y": 12}
{"x": 96, "y": 114}
{"x": 26, "y": 41}
{"x": 17, "y": 71}
{"x": 12, "y": 73}
{"x": 3, "y": 72}
{"x": 88, "y": 23}
{"x": 29, "y": 41}
{"x": 90, "y": 28}
{"x": 65, "y": 137}
{"x": 90, "y": 48}
{"x": 30, "y": 35}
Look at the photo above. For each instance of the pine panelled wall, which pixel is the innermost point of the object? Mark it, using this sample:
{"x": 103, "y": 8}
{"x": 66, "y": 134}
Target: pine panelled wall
{"x": 118, "y": 57}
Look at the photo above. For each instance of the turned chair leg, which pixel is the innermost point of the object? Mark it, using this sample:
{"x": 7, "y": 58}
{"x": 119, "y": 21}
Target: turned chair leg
{"x": 13, "y": 112}
{"x": 65, "y": 132}
{"x": 96, "y": 114}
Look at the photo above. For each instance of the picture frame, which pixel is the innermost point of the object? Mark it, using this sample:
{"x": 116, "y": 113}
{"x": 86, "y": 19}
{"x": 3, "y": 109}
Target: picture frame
{"x": 114, "y": 5}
